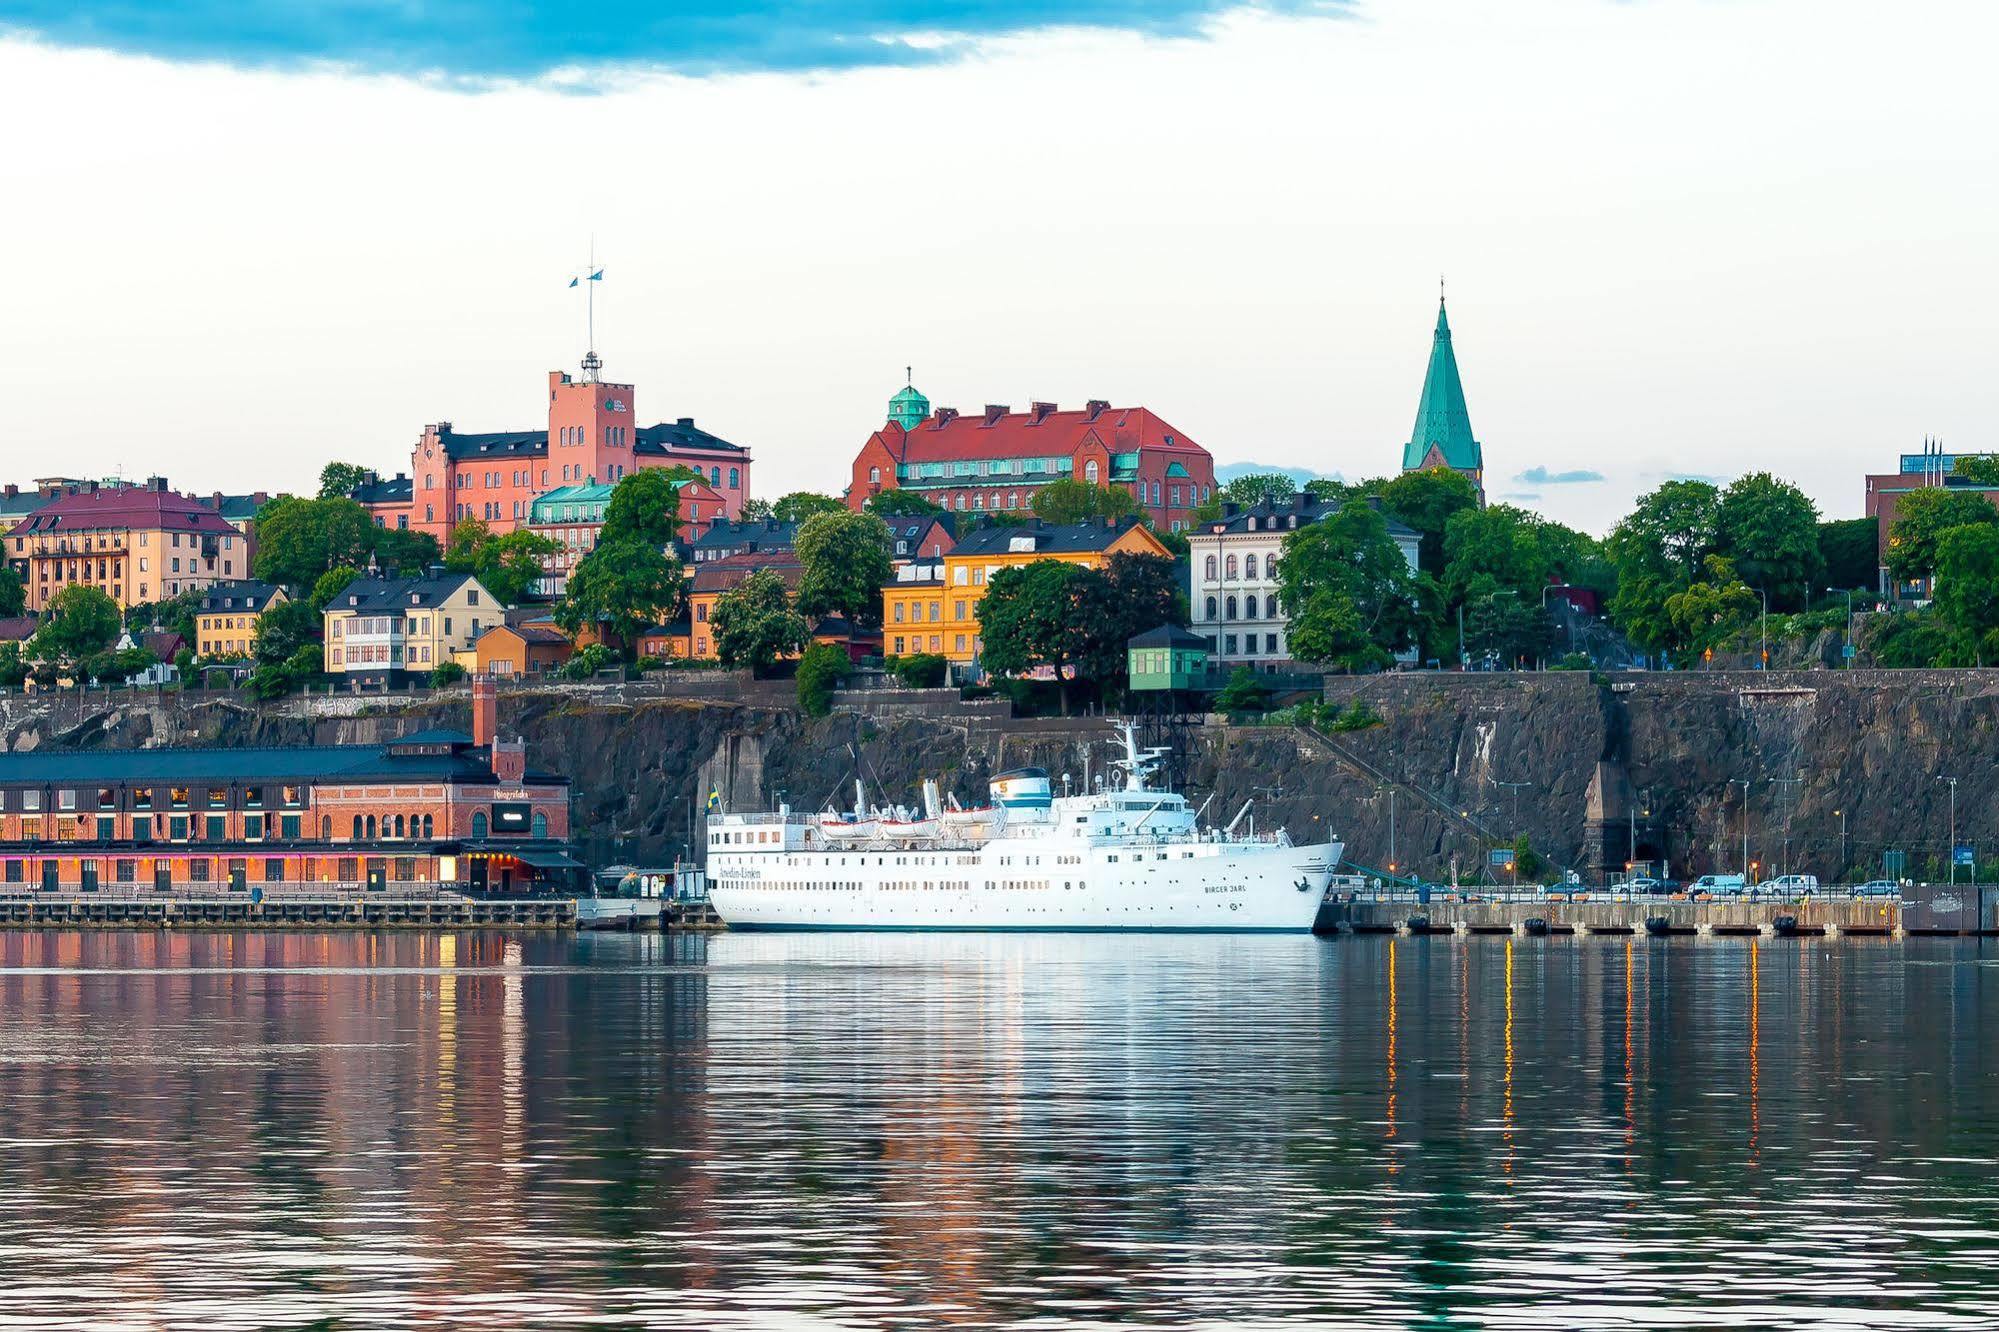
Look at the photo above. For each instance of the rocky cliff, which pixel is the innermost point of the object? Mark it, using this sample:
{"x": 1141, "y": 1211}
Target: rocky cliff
{"x": 1591, "y": 770}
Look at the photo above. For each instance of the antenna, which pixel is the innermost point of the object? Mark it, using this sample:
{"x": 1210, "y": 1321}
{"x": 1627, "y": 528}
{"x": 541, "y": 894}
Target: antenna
{"x": 588, "y": 278}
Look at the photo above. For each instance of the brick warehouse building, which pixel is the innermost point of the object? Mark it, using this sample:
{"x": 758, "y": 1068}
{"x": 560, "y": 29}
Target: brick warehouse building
{"x": 997, "y": 459}
{"x": 436, "y": 808}
{"x": 592, "y": 434}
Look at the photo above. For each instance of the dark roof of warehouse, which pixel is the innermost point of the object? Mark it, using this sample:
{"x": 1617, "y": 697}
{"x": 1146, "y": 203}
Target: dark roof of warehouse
{"x": 434, "y": 755}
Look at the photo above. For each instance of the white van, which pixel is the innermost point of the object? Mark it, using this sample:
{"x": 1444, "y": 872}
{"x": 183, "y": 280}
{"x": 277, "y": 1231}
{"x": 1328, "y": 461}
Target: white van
{"x": 1792, "y": 883}
{"x": 1720, "y": 883}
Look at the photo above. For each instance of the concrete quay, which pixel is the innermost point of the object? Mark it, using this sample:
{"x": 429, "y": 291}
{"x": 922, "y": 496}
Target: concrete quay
{"x": 335, "y": 910}
{"x": 1925, "y": 909}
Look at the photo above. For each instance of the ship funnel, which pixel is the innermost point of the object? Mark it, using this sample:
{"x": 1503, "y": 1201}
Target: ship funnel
{"x": 1022, "y": 788}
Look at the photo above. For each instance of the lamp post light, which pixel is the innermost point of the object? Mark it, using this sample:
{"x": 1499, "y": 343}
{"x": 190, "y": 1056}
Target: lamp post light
{"x": 1842, "y": 838}
{"x": 1952, "y": 781}
{"x": 1765, "y": 664}
{"x": 1743, "y": 782}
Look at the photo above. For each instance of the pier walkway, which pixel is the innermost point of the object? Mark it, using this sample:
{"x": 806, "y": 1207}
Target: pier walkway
{"x": 1923, "y": 909}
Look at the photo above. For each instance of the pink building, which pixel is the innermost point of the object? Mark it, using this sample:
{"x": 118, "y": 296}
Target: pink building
{"x": 592, "y": 433}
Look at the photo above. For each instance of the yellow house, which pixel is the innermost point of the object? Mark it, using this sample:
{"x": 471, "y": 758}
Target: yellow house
{"x": 392, "y": 629}
{"x": 226, "y": 624}
{"x": 941, "y": 615}
{"x": 135, "y": 543}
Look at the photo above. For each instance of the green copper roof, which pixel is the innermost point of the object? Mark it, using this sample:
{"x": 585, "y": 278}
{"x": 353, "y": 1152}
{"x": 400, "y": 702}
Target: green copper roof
{"x": 1442, "y": 423}
{"x": 908, "y": 407}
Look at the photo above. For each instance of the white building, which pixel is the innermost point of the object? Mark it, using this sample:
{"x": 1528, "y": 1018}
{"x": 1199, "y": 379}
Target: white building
{"x": 1232, "y": 575}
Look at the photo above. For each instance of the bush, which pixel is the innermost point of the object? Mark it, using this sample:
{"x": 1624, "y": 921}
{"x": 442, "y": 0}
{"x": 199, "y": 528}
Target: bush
{"x": 924, "y": 670}
{"x": 820, "y": 671}
{"x": 446, "y": 673}
{"x": 588, "y": 662}
{"x": 1358, "y": 716}
{"x": 1244, "y": 696}
{"x": 1573, "y": 661}
{"x": 645, "y": 664}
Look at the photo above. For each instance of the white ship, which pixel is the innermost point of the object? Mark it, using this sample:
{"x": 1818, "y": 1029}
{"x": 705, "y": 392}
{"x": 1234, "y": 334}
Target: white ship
{"x": 1124, "y": 858}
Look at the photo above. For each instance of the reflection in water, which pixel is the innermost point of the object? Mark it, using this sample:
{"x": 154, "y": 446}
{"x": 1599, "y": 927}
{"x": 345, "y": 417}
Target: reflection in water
{"x": 894, "y": 1131}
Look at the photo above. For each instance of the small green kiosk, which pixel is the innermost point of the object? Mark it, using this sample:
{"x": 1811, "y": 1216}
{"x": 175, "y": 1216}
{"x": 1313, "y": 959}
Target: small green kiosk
{"x": 1167, "y": 659}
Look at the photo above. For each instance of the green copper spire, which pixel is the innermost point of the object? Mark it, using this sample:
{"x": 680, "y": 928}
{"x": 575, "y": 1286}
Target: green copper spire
{"x": 908, "y": 407}
{"x": 1443, "y": 426}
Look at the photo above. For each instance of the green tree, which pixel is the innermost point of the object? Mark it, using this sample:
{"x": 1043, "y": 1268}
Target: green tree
{"x": 844, "y": 559}
{"x": 1069, "y": 501}
{"x": 118, "y": 665}
{"x": 507, "y": 566}
{"x": 1253, "y": 488}
{"x": 755, "y": 624}
{"x": 899, "y": 503}
{"x": 1714, "y": 611}
{"x": 1656, "y": 552}
{"x": 13, "y": 593}
{"x": 338, "y": 480}
{"x": 408, "y": 553}
{"x": 1528, "y": 865}
{"x": 1771, "y": 531}
{"x": 1427, "y": 501}
{"x": 1129, "y": 595}
{"x": 1847, "y": 549}
{"x": 1966, "y": 597}
{"x": 823, "y": 668}
{"x": 754, "y": 510}
{"x": 922, "y": 670}
{"x": 300, "y": 539}
{"x": 330, "y": 585}
{"x": 1244, "y": 696}
{"x": 1350, "y": 594}
{"x": 1980, "y": 469}
{"x": 81, "y": 622}
{"x": 283, "y": 630}
{"x": 169, "y": 615}
{"x": 1501, "y": 543}
{"x": 644, "y": 506}
{"x": 445, "y": 674}
{"x": 802, "y": 504}
{"x": 13, "y": 671}
{"x": 1921, "y": 518}
{"x": 1030, "y": 617}
{"x": 621, "y": 589}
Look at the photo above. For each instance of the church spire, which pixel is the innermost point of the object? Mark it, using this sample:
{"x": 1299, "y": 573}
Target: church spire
{"x": 1443, "y": 435}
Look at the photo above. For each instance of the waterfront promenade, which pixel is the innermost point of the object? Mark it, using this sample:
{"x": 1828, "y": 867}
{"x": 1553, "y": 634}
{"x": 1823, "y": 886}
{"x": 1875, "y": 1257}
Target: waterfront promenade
{"x": 1922, "y": 909}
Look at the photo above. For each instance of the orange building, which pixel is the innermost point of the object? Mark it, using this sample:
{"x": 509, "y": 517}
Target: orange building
{"x": 137, "y": 543}
{"x": 592, "y": 433}
{"x": 938, "y": 612}
{"x": 998, "y": 459}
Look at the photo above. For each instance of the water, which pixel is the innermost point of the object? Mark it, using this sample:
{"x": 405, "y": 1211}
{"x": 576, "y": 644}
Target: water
{"x": 344, "y": 1131}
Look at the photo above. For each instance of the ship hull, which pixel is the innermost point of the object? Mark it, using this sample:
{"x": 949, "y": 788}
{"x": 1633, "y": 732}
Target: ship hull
{"x": 1027, "y": 885}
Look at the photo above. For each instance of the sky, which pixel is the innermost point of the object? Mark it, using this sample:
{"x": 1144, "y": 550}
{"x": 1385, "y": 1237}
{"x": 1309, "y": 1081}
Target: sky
{"x": 1681, "y": 237}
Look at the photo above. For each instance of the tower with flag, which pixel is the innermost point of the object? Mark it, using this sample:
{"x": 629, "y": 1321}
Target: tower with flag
{"x": 588, "y": 280}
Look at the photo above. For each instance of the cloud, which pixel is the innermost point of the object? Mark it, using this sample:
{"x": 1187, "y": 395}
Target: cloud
{"x": 1541, "y": 476}
{"x": 1228, "y": 472}
{"x": 474, "y": 42}
{"x": 1520, "y": 497}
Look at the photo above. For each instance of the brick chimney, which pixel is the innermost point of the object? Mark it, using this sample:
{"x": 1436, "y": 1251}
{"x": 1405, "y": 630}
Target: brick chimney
{"x": 1094, "y": 408}
{"x": 485, "y": 711}
{"x": 510, "y": 760}
{"x": 1040, "y": 412}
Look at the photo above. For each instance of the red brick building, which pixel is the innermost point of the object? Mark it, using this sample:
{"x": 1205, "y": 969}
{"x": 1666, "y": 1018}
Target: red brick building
{"x": 592, "y": 433}
{"x": 997, "y": 459}
{"x": 435, "y": 807}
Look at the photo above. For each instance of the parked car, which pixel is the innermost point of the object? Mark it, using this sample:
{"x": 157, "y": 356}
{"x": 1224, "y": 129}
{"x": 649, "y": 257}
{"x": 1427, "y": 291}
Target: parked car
{"x": 1638, "y": 885}
{"x": 1791, "y": 883}
{"x": 1878, "y": 888}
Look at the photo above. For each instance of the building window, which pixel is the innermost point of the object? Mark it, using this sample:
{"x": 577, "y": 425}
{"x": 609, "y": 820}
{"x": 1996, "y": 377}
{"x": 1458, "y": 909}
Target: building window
{"x": 1211, "y": 609}
{"x": 1210, "y": 565}
{"x": 734, "y": 480}
{"x": 1270, "y": 644}
{"x": 274, "y": 871}
{"x": 1232, "y": 567}
{"x": 479, "y": 824}
{"x": 288, "y": 827}
{"x": 217, "y": 828}
{"x": 539, "y": 828}
{"x": 1090, "y": 471}
{"x": 1249, "y": 566}
{"x": 1228, "y": 645}
{"x": 1229, "y": 607}
{"x": 357, "y": 828}
{"x": 874, "y": 476}
{"x": 1249, "y": 608}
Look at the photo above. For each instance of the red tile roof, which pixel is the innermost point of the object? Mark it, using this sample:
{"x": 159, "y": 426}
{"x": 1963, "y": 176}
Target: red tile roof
{"x": 1057, "y": 434}
{"x": 124, "y": 508}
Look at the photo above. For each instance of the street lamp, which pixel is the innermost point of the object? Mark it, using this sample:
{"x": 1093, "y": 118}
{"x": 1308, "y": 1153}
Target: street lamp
{"x": 1953, "y": 827}
{"x": 1842, "y": 835}
{"x": 1391, "y": 825}
{"x": 1765, "y": 665}
{"x": 1743, "y": 782}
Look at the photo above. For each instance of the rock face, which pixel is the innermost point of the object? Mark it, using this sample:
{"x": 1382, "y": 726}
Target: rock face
{"x": 1590, "y": 770}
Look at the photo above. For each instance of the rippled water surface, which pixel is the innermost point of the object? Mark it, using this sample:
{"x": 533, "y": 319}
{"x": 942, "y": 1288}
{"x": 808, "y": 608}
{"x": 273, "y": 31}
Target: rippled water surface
{"x": 347, "y": 1131}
